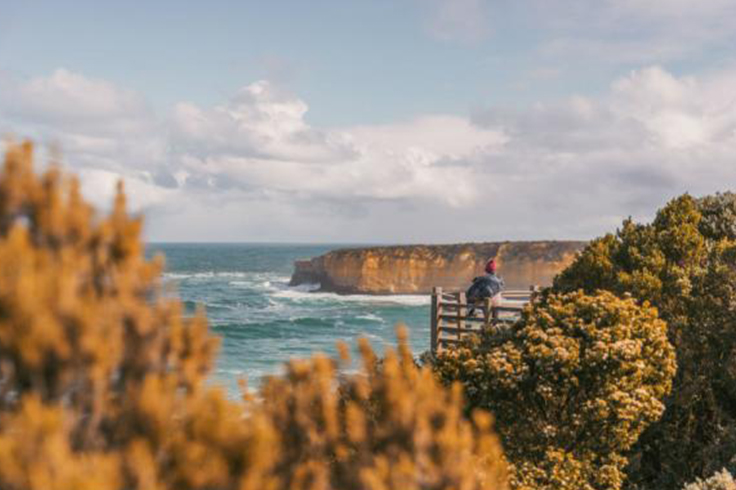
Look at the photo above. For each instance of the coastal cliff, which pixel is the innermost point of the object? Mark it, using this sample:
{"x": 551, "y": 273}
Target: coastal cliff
{"x": 416, "y": 269}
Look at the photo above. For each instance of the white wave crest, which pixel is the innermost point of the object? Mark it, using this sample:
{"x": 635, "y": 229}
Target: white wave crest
{"x": 267, "y": 279}
{"x": 202, "y": 275}
{"x": 371, "y": 318}
{"x": 306, "y": 287}
{"x": 295, "y": 294}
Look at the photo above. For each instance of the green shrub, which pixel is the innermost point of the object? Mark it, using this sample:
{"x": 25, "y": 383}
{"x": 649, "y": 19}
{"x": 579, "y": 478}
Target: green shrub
{"x": 684, "y": 264}
{"x": 572, "y": 385}
{"x": 103, "y": 381}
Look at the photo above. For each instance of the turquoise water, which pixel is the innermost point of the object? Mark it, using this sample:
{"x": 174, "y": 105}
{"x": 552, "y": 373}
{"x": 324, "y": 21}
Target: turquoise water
{"x": 263, "y": 322}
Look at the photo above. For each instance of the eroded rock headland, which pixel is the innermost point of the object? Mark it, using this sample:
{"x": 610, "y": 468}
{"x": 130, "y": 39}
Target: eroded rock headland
{"x": 416, "y": 269}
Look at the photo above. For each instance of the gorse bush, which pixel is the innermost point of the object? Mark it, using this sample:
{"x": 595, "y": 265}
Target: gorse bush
{"x": 723, "y": 480}
{"x": 572, "y": 385}
{"x": 102, "y": 379}
{"x": 391, "y": 427}
{"x": 684, "y": 264}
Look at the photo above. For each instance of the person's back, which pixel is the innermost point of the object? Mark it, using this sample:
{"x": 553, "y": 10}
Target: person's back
{"x": 486, "y": 286}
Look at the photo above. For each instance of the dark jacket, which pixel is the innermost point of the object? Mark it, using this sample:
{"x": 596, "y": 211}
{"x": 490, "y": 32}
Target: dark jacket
{"x": 486, "y": 286}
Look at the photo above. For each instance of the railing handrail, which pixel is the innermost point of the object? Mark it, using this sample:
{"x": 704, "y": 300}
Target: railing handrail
{"x": 450, "y": 314}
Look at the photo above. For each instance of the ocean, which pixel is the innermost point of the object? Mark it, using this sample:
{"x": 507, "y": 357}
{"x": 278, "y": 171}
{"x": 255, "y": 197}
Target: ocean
{"x": 263, "y": 322}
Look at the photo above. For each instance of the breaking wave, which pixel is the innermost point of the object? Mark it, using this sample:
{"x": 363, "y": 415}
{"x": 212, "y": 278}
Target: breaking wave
{"x": 263, "y": 321}
{"x": 307, "y": 296}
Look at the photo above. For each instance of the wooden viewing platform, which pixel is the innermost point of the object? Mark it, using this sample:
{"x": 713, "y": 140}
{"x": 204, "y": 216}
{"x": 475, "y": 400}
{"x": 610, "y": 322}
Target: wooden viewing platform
{"x": 450, "y": 321}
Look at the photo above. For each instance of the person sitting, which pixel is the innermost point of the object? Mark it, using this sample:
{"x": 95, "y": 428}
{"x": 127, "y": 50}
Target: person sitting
{"x": 488, "y": 285}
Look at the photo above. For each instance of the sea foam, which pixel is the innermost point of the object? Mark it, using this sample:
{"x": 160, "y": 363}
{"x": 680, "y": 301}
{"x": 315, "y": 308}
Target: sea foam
{"x": 309, "y": 296}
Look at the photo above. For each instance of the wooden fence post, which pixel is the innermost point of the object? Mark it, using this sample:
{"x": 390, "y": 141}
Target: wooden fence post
{"x": 488, "y": 314}
{"x": 462, "y": 311}
{"x": 436, "y": 312}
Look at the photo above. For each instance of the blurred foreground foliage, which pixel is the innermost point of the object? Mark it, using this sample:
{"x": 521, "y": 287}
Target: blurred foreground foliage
{"x": 572, "y": 385}
{"x": 102, "y": 379}
{"x": 684, "y": 264}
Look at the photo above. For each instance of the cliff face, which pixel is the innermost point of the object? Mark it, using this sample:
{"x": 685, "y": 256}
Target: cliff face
{"x": 415, "y": 269}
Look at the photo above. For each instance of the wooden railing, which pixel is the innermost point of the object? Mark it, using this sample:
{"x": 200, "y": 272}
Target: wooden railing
{"x": 451, "y": 320}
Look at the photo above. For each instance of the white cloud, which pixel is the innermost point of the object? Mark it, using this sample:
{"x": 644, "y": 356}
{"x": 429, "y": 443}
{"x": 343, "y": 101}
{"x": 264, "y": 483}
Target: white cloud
{"x": 260, "y": 121}
{"x": 260, "y": 140}
{"x": 256, "y": 145}
{"x": 101, "y": 128}
{"x": 97, "y": 122}
{"x": 254, "y": 168}
{"x": 66, "y": 98}
{"x": 651, "y": 137}
{"x": 445, "y": 136}
{"x": 680, "y": 113}
{"x": 98, "y": 186}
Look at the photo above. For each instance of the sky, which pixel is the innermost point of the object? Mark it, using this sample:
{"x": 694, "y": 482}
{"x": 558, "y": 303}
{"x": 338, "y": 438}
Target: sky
{"x": 356, "y": 121}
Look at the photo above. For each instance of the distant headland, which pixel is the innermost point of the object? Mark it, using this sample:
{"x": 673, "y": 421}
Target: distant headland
{"x": 415, "y": 269}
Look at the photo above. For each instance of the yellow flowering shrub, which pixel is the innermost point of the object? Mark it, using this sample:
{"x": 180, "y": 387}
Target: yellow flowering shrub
{"x": 572, "y": 384}
{"x": 684, "y": 264}
{"x": 103, "y": 380}
{"x": 392, "y": 426}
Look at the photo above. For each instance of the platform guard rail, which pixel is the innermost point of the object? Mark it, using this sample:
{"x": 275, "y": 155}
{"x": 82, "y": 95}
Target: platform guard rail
{"x": 451, "y": 321}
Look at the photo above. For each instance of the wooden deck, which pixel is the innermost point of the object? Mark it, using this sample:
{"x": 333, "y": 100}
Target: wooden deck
{"x": 451, "y": 321}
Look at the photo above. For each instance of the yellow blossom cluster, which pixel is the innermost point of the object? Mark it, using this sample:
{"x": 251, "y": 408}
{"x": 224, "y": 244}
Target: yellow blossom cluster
{"x": 573, "y": 384}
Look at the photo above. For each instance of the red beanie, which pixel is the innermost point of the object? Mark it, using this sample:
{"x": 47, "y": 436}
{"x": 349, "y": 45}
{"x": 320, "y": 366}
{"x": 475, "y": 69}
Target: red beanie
{"x": 491, "y": 266}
